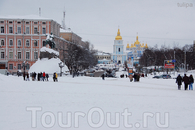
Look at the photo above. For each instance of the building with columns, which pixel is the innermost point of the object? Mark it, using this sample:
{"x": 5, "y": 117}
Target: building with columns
{"x": 21, "y": 38}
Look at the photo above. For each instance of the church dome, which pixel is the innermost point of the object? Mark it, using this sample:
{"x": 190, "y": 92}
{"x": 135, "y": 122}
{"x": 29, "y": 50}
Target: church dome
{"x": 128, "y": 46}
{"x": 118, "y": 37}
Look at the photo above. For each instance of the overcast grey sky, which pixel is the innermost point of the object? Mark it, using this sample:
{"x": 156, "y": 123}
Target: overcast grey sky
{"x": 156, "y": 21}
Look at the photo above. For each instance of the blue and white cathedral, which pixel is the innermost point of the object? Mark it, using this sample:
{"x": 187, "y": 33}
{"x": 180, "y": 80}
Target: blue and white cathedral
{"x": 134, "y": 51}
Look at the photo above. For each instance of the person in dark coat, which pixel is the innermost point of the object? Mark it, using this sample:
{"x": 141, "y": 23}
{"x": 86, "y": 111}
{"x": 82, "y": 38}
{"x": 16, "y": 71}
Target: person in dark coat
{"x": 24, "y": 75}
{"x": 38, "y": 77}
{"x": 35, "y": 75}
{"x": 138, "y": 77}
{"x": 179, "y": 81}
{"x": 47, "y": 76}
{"x": 135, "y": 77}
{"x": 191, "y": 81}
{"x": 27, "y": 77}
{"x": 186, "y": 81}
{"x": 103, "y": 76}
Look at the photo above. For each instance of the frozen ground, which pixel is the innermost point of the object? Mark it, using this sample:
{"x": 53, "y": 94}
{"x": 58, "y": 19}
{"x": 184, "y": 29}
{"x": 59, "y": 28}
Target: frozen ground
{"x": 94, "y": 99}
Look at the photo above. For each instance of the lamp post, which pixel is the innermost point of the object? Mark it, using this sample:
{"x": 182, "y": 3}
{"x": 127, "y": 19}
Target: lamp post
{"x": 61, "y": 65}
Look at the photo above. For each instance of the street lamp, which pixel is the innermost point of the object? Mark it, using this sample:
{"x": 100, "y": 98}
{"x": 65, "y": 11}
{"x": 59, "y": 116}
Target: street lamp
{"x": 61, "y": 65}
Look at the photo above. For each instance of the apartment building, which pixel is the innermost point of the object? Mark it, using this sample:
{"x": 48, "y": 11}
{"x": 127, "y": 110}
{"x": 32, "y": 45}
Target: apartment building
{"x": 21, "y": 38}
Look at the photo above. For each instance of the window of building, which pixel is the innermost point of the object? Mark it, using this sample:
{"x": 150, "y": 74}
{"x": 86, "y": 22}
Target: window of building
{"x": 43, "y": 22}
{"x": 19, "y": 22}
{"x": 10, "y": 22}
{"x": 27, "y": 55}
{"x": 27, "y": 43}
{"x": 2, "y": 43}
{"x": 19, "y": 66}
{"x": 11, "y": 55}
{"x": 44, "y": 43}
{"x": 44, "y": 30}
{"x": 19, "y": 55}
{"x": 2, "y": 22}
{"x": 35, "y": 43}
{"x": 10, "y": 29}
{"x": 11, "y": 66}
{"x": 19, "y": 43}
{"x": 19, "y": 30}
{"x": 27, "y": 30}
{"x": 35, "y": 55}
{"x": 35, "y": 30}
{"x": 11, "y": 42}
{"x": 119, "y": 50}
{"x": 27, "y": 22}
{"x": 2, "y": 29}
{"x": 27, "y": 66}
{"x": 35, "y": 22}
{"x": 2, "y": 55}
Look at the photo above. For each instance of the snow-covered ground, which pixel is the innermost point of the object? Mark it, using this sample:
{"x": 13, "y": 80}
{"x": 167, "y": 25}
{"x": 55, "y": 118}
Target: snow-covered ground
{"x": 84, "y": 103}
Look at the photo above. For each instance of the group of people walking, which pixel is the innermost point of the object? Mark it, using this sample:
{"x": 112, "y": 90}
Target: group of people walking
{"x": 187, "y": 81}
{"x": 40, "y": 76}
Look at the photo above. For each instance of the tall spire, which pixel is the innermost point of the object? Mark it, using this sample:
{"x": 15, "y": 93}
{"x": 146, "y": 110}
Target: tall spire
{"x": 63, "y": 21}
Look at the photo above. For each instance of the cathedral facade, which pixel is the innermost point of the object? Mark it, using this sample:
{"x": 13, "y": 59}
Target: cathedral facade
{"x": 121, "y": 54}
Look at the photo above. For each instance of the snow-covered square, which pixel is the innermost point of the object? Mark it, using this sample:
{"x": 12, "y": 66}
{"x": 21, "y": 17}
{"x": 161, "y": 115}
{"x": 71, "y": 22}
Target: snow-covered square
{"x": 86, "y": 103}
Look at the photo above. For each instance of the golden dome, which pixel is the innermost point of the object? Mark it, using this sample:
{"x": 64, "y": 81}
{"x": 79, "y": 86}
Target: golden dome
{"x": 142, "y": 45}
{"x": 118, "y": 37}
{"x": 128, "y": 46}
{"x": 131, "y": 45}
{"x": 146, "y": 46}
{"x": 136, "y": 42}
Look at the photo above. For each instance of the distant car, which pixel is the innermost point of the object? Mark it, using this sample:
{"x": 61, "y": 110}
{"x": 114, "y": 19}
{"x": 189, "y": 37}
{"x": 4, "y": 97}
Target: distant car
{"x": 157, "y": 77}
{"x": 164, "y": 76}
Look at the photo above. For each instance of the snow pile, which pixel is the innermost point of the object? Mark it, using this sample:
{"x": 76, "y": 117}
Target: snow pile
{"x": 48, "y": 66}
{"x": 45, "y": 49}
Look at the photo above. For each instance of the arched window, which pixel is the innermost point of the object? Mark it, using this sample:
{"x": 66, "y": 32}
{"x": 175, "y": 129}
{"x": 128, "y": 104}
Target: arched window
{"x": 2, "y": 42}
{"x": 119, "y": 50}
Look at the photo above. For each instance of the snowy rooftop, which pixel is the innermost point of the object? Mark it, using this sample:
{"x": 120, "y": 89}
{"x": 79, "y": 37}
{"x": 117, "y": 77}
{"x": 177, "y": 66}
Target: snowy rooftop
{"x": 34, "y": 17}
{"x": 65, "y": 31}
{"x": 102, "y": 53}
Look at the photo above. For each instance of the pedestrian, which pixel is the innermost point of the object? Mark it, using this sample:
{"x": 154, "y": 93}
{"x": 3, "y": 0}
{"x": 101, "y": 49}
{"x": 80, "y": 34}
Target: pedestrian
{"x": 35, "y": 75}
{"x": 18, "y": 73}
{"x": 179, "y": 81}
{"x": 135, "y": 77}
{"x": 186, "y": 81}
{"x": 102, "y": 76}
{"x": 43, "y": 76}
{"x": 38, "y": 76}
{"x": 27, "y": 77}
{"x": 138, "y": 77}
{"x": 47, "y": 76}
{"x": 24, "y": 75}
{"x": 55, "y": 77}
{"x": 191, "y": 81}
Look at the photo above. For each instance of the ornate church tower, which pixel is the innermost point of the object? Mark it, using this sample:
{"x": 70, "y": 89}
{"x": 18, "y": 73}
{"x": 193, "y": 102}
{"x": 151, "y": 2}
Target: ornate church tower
{"x": 118, "y": 50}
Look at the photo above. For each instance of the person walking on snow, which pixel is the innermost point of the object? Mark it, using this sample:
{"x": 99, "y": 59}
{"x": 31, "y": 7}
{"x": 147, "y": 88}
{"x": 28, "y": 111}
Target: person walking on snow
{"x": 186, "y": 81}
{"x": 43, "y": 76}
{"x": 179, "y": 81}
{"x": 103, "y": 76}
{"x": 47, "y": 76}
{"x": 191, "y": 81}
